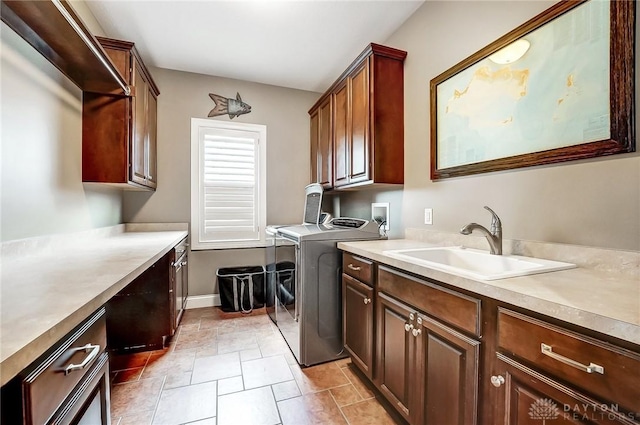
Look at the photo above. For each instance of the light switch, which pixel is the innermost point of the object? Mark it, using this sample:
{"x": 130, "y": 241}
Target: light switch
{"x": 428, "y": 216}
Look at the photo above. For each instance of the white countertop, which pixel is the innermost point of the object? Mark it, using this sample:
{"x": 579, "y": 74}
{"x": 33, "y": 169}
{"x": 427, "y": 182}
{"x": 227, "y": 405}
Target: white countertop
{"x": 50, "y": 285}
{"x": 601, "y": 301}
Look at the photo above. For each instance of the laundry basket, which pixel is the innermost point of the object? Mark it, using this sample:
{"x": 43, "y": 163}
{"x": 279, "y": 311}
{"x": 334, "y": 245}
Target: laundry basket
{"x": 285, "y": 281}
{"x": 241, "y": 288}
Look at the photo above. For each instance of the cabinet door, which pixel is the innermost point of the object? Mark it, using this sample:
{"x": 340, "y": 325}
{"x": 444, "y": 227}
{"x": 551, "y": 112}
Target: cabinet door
{"x": 358, "y": 323}
{"x": 526, "y": 397}
{"x": 139, "y": 316}
{"x": 325, "y": 145}
{"x": 322, "y": 143}
{"x": 314, "y": 119}
{"x": 448, "y": 369}
{"x": 152, "y": 140}
{"x": 341, "y": 136}
{"x": 185, "y": 281}
{"x": 395, "y": 354}
{"x": 138, "y": 131}
{"x": 359, "y": 140}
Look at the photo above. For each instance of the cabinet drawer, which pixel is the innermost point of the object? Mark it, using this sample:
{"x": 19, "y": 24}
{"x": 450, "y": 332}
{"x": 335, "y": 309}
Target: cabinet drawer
{"x": 602, "y": 369}
{"x": 458, "y": 310}
{"x": 358, "y": 267}
{"x": 47, "y": 386}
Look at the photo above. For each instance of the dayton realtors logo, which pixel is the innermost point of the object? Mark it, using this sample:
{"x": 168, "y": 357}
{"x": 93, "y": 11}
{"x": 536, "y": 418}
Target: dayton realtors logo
{"x": 545, "y": 409}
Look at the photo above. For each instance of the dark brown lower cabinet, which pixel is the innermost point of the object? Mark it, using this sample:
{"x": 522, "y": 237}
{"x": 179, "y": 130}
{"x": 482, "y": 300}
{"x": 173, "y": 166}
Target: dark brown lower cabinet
{"x": 527, "y": 397}
{"x": 69, "y": 384}
{"x": 139, "y": 317}
{"x": 358, "y": 322}
{"x": 425, "y": 369}
{"x": 396, "y": 369}
{"x": 450, "y": 357}
{"x": 448, "y": 364}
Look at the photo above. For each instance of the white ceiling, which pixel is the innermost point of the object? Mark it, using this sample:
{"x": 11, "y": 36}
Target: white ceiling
{"x": 299, "y": 44}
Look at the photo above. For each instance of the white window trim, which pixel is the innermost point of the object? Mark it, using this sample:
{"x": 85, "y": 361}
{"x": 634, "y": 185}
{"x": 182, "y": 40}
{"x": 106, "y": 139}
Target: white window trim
{"x": 196, "y": 183}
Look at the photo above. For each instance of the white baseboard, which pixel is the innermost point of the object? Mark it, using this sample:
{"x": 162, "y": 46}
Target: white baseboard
{"x": 199, "y": 301}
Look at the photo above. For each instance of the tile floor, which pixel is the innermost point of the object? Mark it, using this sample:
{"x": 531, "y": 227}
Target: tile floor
{"x": 228, "y": 368}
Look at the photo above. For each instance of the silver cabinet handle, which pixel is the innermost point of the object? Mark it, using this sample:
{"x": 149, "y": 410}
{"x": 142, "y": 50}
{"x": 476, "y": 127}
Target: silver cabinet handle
{"x": 547, "y": 350}
{"x": 408, "y": 327}
{"x": 180, "y": 262}
{"x": 416, "y": 332}
{"x": 93, "y": 351}
{"x": 497, "y": 381}
{"x": 412, "y": 317}
{"x": 354, "y": 268}
{"x": 367, "y": 300}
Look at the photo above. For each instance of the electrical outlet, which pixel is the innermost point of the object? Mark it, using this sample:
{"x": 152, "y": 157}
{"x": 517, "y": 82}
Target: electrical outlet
{"x": 428, "y": 216}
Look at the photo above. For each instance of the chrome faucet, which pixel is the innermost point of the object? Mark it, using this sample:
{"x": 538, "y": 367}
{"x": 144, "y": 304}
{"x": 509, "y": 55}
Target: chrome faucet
{"x": 494, "y": 237}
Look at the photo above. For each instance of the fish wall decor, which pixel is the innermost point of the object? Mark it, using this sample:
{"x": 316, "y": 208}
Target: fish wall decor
{"x": 224, "y": 105}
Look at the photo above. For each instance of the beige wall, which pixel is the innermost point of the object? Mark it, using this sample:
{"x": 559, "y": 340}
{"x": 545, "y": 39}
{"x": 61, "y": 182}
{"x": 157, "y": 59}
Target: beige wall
{"x": 41, "y": 190}
{"x": 186, "y": 95}
{"x": 588, "y": 202}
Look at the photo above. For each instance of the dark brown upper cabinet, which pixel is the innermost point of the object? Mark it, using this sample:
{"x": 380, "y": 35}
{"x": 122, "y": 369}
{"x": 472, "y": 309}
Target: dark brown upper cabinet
{"x": 119, "y": 132}
{"x": 365, "y": 144}
{"x": 56, "y": 31}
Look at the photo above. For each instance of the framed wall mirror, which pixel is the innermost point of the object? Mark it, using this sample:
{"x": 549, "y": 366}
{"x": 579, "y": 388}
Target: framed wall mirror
{"x": 559, "y": 87}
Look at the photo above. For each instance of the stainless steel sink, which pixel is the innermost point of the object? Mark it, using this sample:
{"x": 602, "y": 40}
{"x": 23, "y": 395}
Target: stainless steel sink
{"x": 477, "y": 264}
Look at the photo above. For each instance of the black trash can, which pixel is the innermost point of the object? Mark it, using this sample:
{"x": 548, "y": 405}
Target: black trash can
{"x": 286, "y": 282}
{"x": 241, "y": 288}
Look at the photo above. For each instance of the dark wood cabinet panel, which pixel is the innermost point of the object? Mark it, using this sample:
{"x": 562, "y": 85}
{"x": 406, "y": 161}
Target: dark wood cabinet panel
{"x": 526, "y": 397}
{"x": 449, "y": 369}
{"x": 64, "y": 41}
{"x": 358, "y": 267}
{"x": 359, "y": 142}
{"x": 314, "y": 126}
{"x": 152, "y": 144}
{"x": 325, "y": 144}
{"x": 179, "y": 282}
{"x": 119, "y": 132}
{"x": 340, "y": 136}
{"x": 322, "y": 143}
{"x": 139, "y": 140}
{"x": 358, "y": 323}
{"x": 387, "y": 110}
{"x": 395, "y": 354}
{"x": 139, "y": 316}
{"x": 570, "y": 355}
{"x": 433, "y": 299}
{"x": 105, "y": 132}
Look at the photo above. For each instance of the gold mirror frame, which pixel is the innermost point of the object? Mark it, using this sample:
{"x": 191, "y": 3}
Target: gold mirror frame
{"x": 621, "y": 97}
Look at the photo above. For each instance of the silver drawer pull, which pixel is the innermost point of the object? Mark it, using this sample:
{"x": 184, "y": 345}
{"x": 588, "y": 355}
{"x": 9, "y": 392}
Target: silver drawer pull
{"x": 93, "y": 351}
{"x": 354, "y": 268}
{"x": 547, "y": 350}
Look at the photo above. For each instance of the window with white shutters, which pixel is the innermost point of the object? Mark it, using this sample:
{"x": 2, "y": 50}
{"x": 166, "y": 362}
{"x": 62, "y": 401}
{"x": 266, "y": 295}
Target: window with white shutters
{"x": 228, "y": 184}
